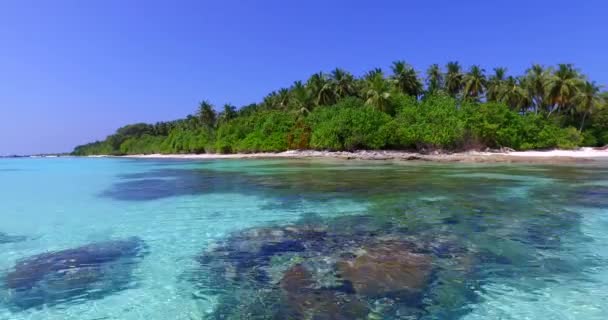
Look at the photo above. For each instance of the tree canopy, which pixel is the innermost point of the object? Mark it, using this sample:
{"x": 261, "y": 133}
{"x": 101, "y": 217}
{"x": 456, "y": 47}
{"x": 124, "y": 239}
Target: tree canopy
{"x": 446, "y": 108}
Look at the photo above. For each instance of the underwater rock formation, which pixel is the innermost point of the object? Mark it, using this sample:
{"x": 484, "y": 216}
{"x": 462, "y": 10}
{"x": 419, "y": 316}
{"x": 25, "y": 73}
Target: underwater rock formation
{"x": 91, "y": 271}
{"x": 5, "y": 238}
{"x": 346, "y": 268}
{"x": 594, "y": 196}
{"x": 303, "y": 299}
{"x": 386, "y": 268}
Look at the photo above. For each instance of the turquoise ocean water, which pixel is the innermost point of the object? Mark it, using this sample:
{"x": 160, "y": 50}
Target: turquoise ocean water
{"x": 536, "y": 237}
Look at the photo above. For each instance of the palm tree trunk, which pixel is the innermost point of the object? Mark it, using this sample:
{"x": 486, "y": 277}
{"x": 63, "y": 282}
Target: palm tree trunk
{"x": 583, "y": 122}
{"x": 554, "y": 108}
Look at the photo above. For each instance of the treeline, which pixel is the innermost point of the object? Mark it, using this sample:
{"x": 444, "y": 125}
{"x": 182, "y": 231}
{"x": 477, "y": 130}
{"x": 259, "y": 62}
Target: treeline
{"x": 447, "y": 109}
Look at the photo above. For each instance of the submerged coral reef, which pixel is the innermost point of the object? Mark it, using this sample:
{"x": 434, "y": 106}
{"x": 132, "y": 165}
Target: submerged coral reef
{"x": 89, "y": 271}
{"x": 355, "y": 267}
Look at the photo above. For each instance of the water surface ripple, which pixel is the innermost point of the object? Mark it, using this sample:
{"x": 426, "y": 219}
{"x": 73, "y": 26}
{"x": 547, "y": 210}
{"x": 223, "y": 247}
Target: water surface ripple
{"x": 301, "y": 239}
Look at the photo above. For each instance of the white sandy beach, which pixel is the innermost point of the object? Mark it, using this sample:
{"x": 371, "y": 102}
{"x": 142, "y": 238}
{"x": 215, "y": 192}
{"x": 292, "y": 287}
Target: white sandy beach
{"x": 581, "y": 153}
{"x": 558, "y": 156}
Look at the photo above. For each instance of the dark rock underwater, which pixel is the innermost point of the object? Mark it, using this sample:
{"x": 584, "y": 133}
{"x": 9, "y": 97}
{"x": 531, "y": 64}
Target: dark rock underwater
{"x": 425, "y": 246}
{"x": 6, "y": 238}
{"x": 352, "y": 268}
{"x": 87, "y": 272}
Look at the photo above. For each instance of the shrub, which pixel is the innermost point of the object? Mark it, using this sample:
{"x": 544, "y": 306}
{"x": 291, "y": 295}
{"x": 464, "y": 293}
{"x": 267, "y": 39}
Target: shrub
{"x": 94, "y": 148}
{"x": 269, "y": 134}
{"x": 348, "y": 125}
{"x": 299, "y": 136}
{"x": 231, "y": 132}
{"x": 552, "y": 136}
{"x": 183, "y": 140}
{"x": 589, "y": 139}
{"x": 259, "y": 131}
{"x": 599, "y": 126}
{"x": 435, "y": 122}
{"x": 145, "y": 144}
{"x": 539, "y": 133}
{"x": 493, "y": 125}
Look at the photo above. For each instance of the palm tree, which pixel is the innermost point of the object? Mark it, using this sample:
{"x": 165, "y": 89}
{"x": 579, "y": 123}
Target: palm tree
{"x": 228, "y": 113}
{"x": 513, "y": 94}
{"x": 377, "y": 91}
{"x": 434, "y": 78}
{"x": 271, "y": 101}
{"x": 343, "y": 83}
{"x": 206, "y": 114}
{"x": 496, "y": 84}
{"x": 604, "y": 99}
{"x": 453, "y": 78}
{"x": 373, "y": 73}
{"x": 474, "y": 83}
{"x": 320, "y": 88}
{"x": 405, "y": 79}
{"x": 300, "y": 98}
{"x": 248, "y": 109}
{"x": 535, "y": 82}
{"x": 587, "y": 100}
{"x": 562, "y": 86}
{"x": 283, "y": 98}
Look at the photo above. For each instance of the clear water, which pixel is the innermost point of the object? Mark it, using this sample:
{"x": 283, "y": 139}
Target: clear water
{"x": 538, "y": 234}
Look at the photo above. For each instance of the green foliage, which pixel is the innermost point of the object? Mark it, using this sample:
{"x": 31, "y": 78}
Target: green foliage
{"x": 264, "y": 131}
{"x": 183, "y": 140}
{"x": 135, "y": 130}
{"x": 377, "y": 91}
{"x": 537, "y": 132}
{"x": 496, "y": 125}
{"x": 493, "y": 124}
{"x": 589, "y": 139}
{"x": 112, "y": 145}
{"x": 434, "y": 123}
{"x": 299, "y": 136}
{"x": 93, "y": 148}
{"x": 231, "y": 132}
{"x": 206, "y": 114}
{"x": 269, "y": 134}
{"x": 145, "y": 144}
{"x": 551, "y": 136}
{"x": 599, "y": 127}
{"x": 339, "y": 111}
{"x": 348, "y": 125}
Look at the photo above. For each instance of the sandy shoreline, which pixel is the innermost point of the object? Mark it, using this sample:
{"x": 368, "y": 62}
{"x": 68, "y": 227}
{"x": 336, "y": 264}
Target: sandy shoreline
{"x": 553, "y": 156}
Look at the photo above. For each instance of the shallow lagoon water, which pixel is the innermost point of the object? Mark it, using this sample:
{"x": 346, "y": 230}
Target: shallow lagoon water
{"x": 538, "y": 234}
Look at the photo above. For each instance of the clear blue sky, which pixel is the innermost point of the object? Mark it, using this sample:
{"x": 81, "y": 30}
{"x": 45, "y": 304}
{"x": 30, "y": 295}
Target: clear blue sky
{"x": 73, "y": 71}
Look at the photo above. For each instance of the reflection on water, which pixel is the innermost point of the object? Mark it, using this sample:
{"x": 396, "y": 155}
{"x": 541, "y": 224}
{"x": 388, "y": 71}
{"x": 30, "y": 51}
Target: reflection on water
{"x": 306, "y": 239}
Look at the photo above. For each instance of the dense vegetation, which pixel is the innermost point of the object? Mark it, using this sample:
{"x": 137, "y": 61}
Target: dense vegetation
{"x": 449, "y": 109}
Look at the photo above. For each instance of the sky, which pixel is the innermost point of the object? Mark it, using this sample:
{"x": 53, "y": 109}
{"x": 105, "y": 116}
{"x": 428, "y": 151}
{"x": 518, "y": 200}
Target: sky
{"x": 73, "y": 71}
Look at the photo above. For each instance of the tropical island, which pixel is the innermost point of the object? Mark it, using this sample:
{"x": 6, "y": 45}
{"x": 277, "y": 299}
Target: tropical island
{"x": 447, "y": 109}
